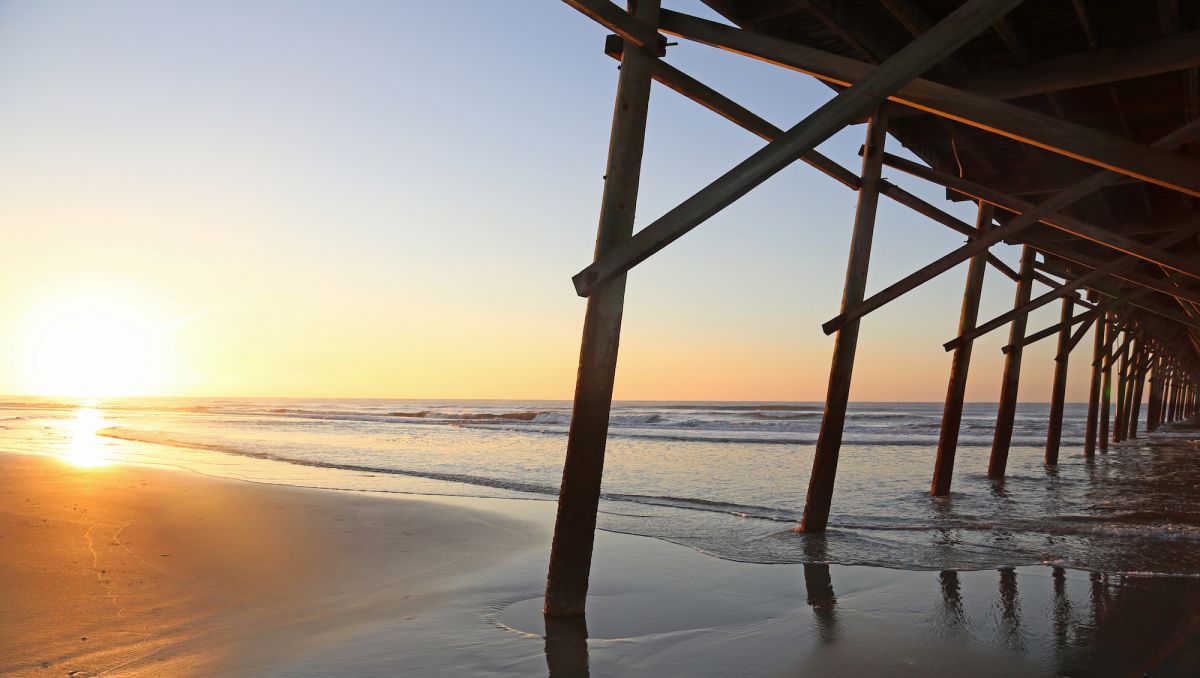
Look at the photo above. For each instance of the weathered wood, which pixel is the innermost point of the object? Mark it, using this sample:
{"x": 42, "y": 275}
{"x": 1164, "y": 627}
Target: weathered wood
{"x": 841, "y": 369}
{"x": 622, "y": 23}
{"x": 1058, "y": 390}
{"x": 943, "y": 468}
{"x": 1096, "y": 67}
{"x": 1010, "y": 381}
{"x": 1066, "y": 288}
{"x": 1093, "y": 411}
{"x": 1122, "y": 381}
{"x": 1106, "y": 386}
{"x": 1075, "y": 141}
{"x": 1047, "y": 214}
{"x": 718, "y": 103}
{"x": 1152, "y": 405}
{"x": 1026, "y": 219}
{"x": 583, "y": 469}
{"x": 951, "y": 32}
{"x": 1139, "y": 381}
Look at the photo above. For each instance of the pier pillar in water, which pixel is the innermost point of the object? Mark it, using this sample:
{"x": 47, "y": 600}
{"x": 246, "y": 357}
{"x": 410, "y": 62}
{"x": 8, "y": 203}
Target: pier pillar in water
{"x": 1119, "y": 416}
{"x": 1009, "y": 383}
{"x": 943, "y": 467}
{"x": 1152, "y": 409}
{"x": 1106, "y": 386}
{"x": 1093, "y": 413}
{"x": 1139, "y": 382}
{"x": 1058, "y": 392}
{"x": 837, "y": 395}
{"x": 579, "y": 494}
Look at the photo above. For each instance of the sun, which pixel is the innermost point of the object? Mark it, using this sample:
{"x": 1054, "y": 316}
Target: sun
{"x": 93, "y": 344}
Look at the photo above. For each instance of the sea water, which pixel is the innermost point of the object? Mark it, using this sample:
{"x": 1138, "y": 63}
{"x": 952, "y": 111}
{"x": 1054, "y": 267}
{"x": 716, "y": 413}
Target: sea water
{"x": 726, "y": 478}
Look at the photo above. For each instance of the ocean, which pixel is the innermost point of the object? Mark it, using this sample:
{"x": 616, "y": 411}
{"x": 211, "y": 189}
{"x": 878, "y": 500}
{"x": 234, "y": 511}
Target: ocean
{"x": 726, "y": 478}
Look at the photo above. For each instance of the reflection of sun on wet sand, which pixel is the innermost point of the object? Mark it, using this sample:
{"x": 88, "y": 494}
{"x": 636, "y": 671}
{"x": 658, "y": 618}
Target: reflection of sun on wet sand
{"x": 120, "y": 570}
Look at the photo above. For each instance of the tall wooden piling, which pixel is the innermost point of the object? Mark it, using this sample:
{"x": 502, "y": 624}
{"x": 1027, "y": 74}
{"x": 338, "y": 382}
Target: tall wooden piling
{"x": 1106, "y": 388}
{"x": 579, "y": 494}
{"x": 1173, "y": 400}
{"x": 1139, "y": 381}
{"x": 943, "y": 467}
{"x": 1058, "y": 391}
{"x": 1152, "y": 401}
{"x": 1093, "y": 413}
{"x": 1122, "y": 373}
{"x": 841, "y": 370}
{"x": 1010, "y": 381}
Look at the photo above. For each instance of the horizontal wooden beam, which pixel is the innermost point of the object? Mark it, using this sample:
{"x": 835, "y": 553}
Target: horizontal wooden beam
{"x": 950, "y": 33}
{"x": 675, "y": 79}
{"x": 1076, "y": 227}
{"x": 1173, "y": 53}
{"x": 1103, "y": 150}
{"x": 1062, "y": 290}
{"x": 622, "y": 23}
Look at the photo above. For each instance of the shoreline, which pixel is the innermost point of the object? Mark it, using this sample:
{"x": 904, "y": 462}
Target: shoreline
{"x": 341, "y": 583}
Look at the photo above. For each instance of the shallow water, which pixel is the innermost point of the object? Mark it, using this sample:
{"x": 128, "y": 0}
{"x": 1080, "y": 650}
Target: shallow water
{"x": 725, "y": 478}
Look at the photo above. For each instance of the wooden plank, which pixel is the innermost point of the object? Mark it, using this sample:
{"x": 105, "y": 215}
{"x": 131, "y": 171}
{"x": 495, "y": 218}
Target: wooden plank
{"x": 1103, "y": 150}
{"x": 1066, "y": 288}
{"x": 622, "y": 23}
{"x": 1062, "y": 222}
{"x": 841, "y": 369}
{"x": 956, "y": 29}
{"x": 1058, "y": 391}
{"x": 943, "y": 468}
{"x": 583, "y": 469}
{"x": 1010, "y": 380}
{"x": 1095, "y": 67}
{"x": 1093, "y": 411}
{"x": 718, "y": 103}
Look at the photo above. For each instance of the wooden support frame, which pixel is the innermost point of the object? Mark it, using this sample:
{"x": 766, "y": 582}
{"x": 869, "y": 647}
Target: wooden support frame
{"x": 583, "y": 468}
{"x": 951, "y": 32}
{"x": 943, "y": 468}
{"x": 1111, "y": 335}
{"x": 1052, "y": 134}
{"x": 1058, "y": 389}
{"x": 841, "y": 369}
{"x": 624, "y": 24}
{"x": 1093, "y": 411}
{"x": 1010, "y": 381}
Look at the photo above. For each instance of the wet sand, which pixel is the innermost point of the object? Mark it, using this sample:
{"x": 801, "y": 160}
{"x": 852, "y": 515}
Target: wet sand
{"x": 171, "y": 573}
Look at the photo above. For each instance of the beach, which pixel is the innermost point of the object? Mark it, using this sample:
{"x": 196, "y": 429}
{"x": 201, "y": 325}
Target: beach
{"x": 127, "y": 570}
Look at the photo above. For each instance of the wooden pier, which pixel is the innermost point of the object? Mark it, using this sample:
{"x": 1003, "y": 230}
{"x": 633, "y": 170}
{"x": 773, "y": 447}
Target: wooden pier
{"x": 1074, "y": 125}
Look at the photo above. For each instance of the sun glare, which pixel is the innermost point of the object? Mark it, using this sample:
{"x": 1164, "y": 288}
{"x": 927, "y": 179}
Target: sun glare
{"x": 94, "y": 345}
{"x": 84, "y": 449}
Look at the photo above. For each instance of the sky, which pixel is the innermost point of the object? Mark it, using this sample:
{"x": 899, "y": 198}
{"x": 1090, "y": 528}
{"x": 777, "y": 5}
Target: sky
{"x": 388, "y": 199}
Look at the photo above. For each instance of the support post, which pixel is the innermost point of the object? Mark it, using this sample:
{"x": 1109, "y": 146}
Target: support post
{"x": 1059, "y": 389}
{"x": 1152, "y": 405}
{"x": 579, "y": 495}
{"x": 1139, "y": 381}
{"x": 1122, "y": 381}
{"x": 837, "y": 395}
{"x": 1106, "y": 386}
{"x": 1093, "y": 413}
{"x": 1005, "y": 415}
{"x": 943, "y": 468}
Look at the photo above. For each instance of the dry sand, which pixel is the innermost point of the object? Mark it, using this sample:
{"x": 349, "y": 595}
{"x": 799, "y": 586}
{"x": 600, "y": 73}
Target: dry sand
{"x": 132, "y": 571}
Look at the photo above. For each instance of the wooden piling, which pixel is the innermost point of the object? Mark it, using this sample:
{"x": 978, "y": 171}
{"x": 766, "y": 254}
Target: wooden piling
{"x": 841, "y": 370}
{"x": 1139, "y": 381}
{"x": 1010, "y": 381}
{"x": 579, "y": 494}
{"x": 1152, "y": 401}
{"x": 1058, "y": 391}
{"x": 1119, "y": 418}
{"x": 1106, "y": 388}
{"x": 943, "y": 467}
{"x": 1093, "y": 413}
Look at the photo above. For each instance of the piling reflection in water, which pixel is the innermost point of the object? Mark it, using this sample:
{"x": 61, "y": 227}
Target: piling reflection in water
{"x": 566, "y": 647}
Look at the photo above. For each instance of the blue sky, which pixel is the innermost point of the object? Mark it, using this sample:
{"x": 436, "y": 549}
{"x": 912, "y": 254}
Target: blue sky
{"x": 389, "y": 198}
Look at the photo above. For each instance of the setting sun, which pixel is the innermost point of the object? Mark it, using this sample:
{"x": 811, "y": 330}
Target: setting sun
{"x": 91, "y": 344}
